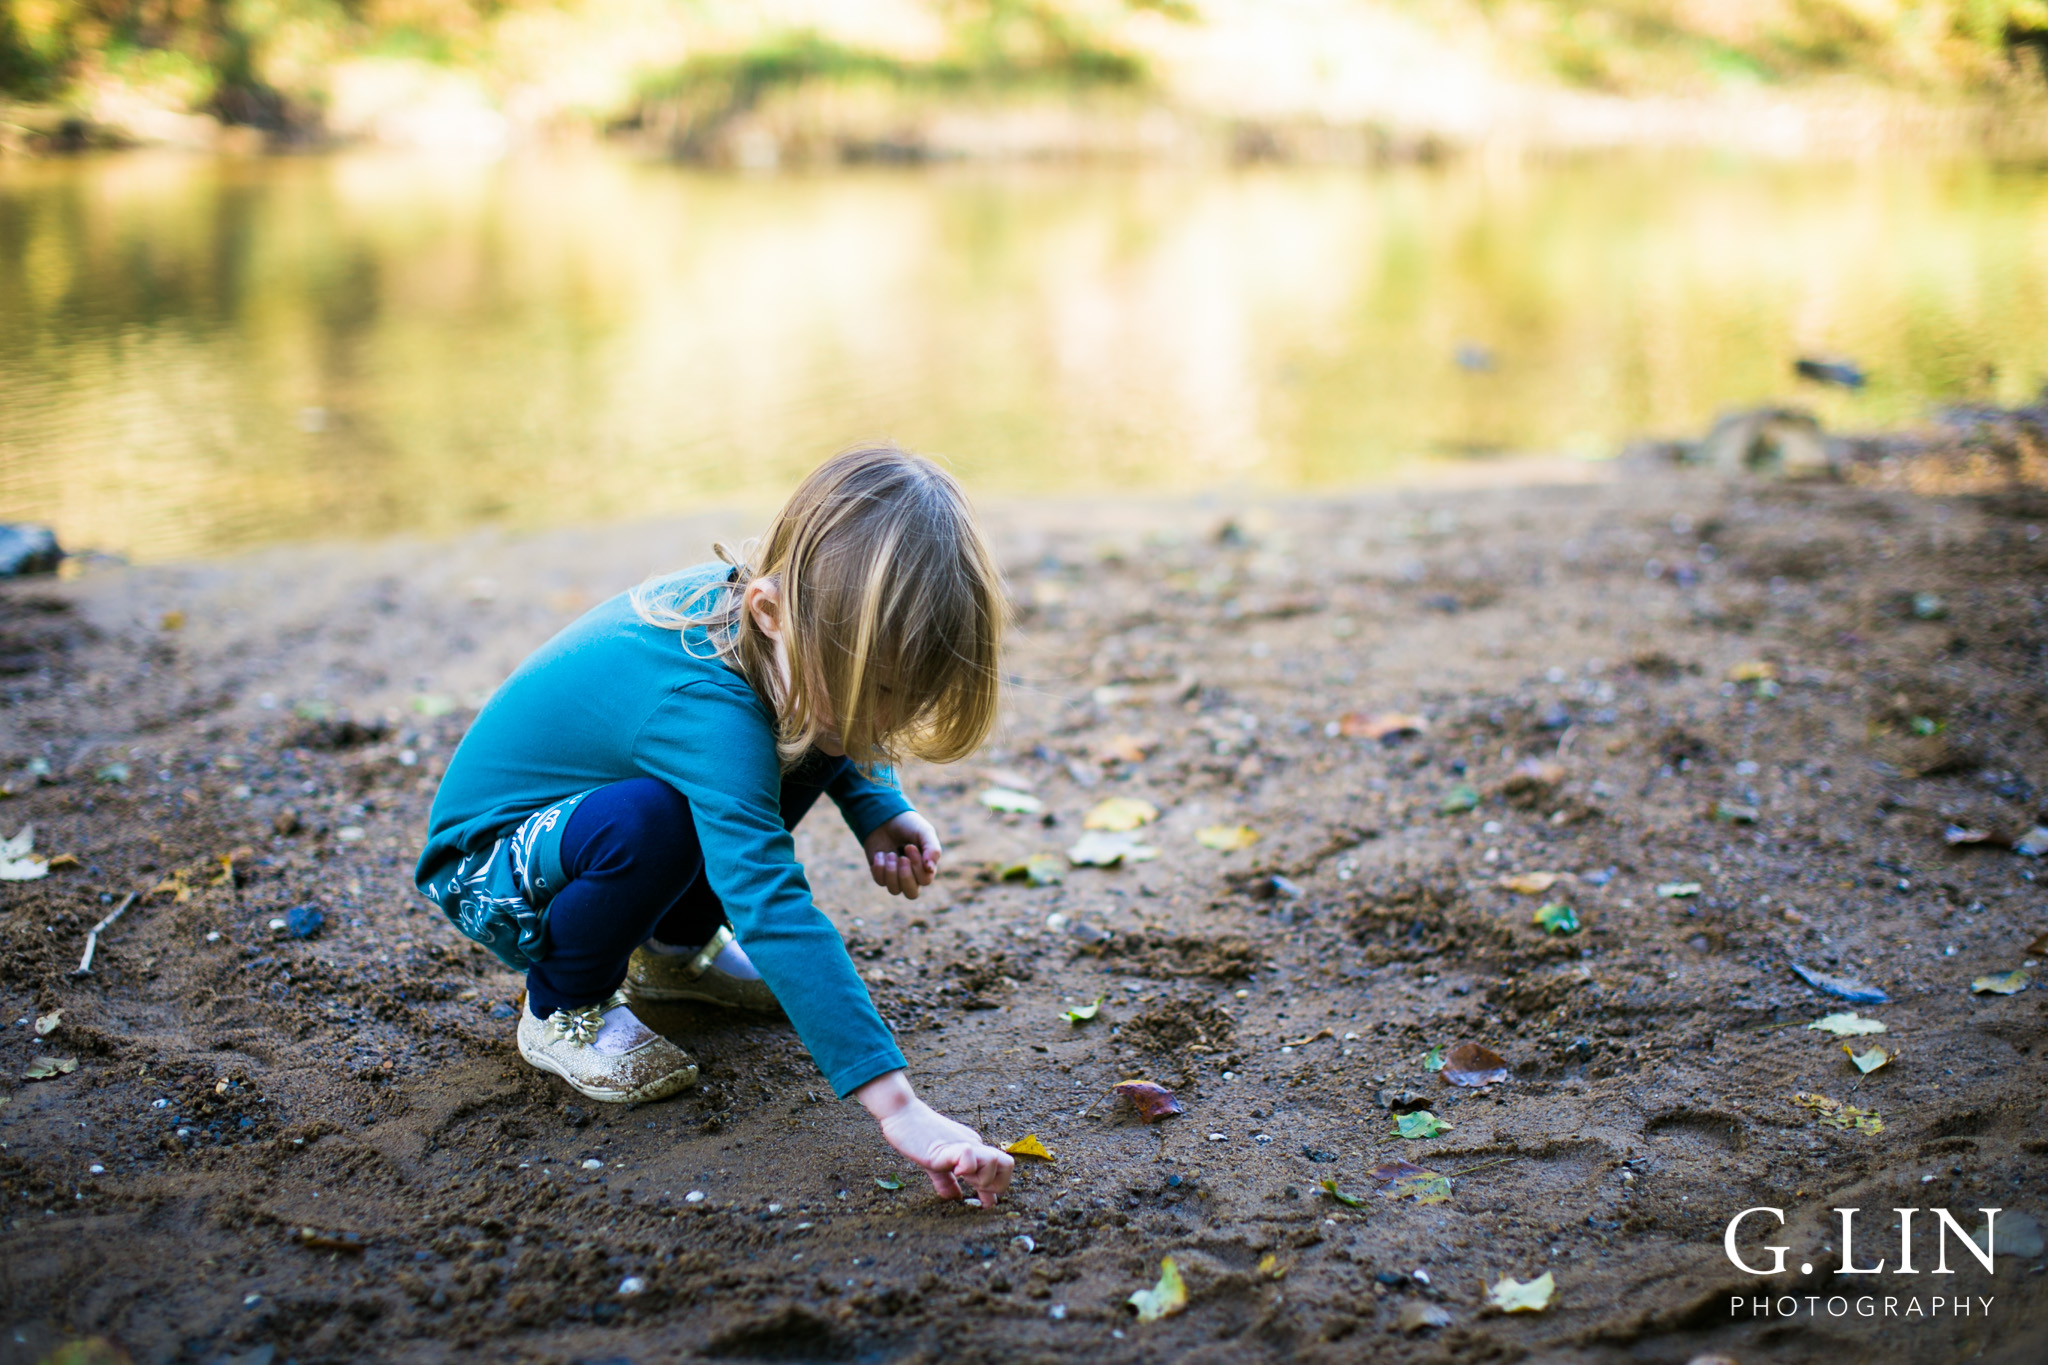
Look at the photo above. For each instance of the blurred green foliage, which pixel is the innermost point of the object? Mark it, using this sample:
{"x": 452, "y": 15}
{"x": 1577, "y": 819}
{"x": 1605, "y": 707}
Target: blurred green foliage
{"x": 244, "y": 58}
{"x": 1640, "y": 46}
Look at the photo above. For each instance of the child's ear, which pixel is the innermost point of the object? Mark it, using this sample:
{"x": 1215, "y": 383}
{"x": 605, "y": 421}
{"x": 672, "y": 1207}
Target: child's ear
{"x": 764, "y": 603}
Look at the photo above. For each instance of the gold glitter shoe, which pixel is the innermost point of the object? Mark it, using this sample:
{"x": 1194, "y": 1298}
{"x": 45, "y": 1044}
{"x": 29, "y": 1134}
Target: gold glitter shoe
{"x": 657, "y": 977}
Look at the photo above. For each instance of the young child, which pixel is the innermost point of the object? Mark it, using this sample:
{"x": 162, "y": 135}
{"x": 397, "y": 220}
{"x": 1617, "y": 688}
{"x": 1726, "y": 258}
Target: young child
{"x": 617, "y": 821}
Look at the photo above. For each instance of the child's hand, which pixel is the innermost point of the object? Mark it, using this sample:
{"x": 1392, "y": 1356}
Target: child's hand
{"x": 951, "y": 1153}
{"x": 903, "y": 854}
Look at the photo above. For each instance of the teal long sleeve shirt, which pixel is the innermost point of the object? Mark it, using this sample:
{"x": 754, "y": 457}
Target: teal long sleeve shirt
{"x": 612, "y": 698}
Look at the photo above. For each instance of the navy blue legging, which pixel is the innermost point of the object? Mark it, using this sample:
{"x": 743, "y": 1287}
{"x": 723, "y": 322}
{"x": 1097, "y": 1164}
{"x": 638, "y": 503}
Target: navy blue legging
{"x": 636, "y": 871}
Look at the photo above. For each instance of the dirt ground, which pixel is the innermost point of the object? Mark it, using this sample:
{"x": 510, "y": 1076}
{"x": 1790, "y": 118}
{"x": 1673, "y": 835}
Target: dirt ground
{"x": 328, "y": 1150}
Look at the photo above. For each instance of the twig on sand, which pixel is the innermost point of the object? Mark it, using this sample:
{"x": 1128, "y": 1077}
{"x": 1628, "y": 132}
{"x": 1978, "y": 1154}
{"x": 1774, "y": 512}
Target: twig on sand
{"x": 92, "y": 936}
{"x": 1497, "y": 1161}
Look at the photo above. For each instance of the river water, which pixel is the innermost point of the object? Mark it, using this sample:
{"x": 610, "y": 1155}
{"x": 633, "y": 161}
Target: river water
{"x": 201, "y": 355}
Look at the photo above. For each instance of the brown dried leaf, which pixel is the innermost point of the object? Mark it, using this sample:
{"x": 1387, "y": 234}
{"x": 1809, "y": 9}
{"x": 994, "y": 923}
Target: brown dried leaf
{"x": 1380, "y": 725}
{"x": 1474, "y": 1064}
{"x": 1154, "y": 1101}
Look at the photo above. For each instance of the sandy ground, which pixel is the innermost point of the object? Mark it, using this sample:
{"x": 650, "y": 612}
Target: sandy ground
{"x": 328, "y": 1149}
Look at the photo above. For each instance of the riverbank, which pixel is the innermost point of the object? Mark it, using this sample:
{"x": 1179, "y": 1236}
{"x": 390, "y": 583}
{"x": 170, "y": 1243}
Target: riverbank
{"x": 1731, "y": 722}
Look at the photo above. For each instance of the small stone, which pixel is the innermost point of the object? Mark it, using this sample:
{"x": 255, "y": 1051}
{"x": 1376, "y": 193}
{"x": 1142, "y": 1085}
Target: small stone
{"x": 213, "y": 936}
{"x": 97, "y": 1169}
{"x": 1022, "y": 1242}
{"x": 251, "y": 1300}
{"x": 286, "y": 821}
{"x": 303, "y": 921}
{"x": 349, "y": 834}
{"x": 697, "y": 1197}
{"x": 592, "y": 1164}
{"x": 632, "y": 1285}
{"x": 1057, "y": 1312}
{"x": 501, "y": 1010}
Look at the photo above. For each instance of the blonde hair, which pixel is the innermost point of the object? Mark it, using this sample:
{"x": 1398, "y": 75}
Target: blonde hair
{"x": 891, "y": 610}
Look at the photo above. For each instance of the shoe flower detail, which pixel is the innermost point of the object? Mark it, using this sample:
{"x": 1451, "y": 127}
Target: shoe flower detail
{"x": 577, "y": 1026}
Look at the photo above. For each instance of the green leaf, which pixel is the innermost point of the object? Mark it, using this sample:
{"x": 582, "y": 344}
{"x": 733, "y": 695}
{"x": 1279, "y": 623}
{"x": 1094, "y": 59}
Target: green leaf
{"x": 1433, "y": 1060}
{"x": 1164, "y": 1299}
{"x": 1040, "y": 869}
{"x": 1458, "y": 800}
{"x": 1349, "y": 1201}
{"x": 1226, "y": 838}
{"x": 1847, "y": 1025}
{"x": 1557, "y": 918}
{"x": 1406, "y": 1180}
{"x": 2007, "y": 983}
{"x": 1011, "y": 802}
{"x": 42, "y": 1068}
{"x": 1081, "y": 1014}
{"x": 1514, "y": 1296}
{"x": 888, "y": 1183}
{"x": 1925, "y": 726}
{"x": 1420, "y": 1124}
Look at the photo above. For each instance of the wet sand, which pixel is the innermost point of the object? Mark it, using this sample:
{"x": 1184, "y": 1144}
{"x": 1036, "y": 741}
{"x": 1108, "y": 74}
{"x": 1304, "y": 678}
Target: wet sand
{"x": 1782, "y": 693}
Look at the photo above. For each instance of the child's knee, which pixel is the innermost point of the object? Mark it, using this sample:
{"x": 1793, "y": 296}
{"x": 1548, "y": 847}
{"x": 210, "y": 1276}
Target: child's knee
{"x": 648, "y": 827}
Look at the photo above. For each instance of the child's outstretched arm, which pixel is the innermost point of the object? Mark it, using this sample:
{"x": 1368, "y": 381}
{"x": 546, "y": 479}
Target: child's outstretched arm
{"x": 903, "y": 854}
{"x": 951, "y": 1153}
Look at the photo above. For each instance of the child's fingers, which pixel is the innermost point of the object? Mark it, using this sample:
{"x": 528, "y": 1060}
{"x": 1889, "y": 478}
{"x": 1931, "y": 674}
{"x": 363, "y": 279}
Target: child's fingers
{"x": 944, "y": 1185}
{"x": 986, "y": 1170}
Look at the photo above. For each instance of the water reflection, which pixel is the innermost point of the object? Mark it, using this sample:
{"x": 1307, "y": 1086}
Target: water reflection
{"x": 200, "y": 355}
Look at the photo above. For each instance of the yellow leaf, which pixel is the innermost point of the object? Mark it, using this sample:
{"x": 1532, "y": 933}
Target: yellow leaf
{"x": 1120, "y": 814}
{"x": 1164, "y": 1299}
{"x": 1227, "y": 838}
{"x": 1269, "y": 1265}
{"x": 1030, "y": 1146}
{"x": 1753, "y": 670}
{"x": 1514, "y": 1296}
{"x": 1529, "y": 883}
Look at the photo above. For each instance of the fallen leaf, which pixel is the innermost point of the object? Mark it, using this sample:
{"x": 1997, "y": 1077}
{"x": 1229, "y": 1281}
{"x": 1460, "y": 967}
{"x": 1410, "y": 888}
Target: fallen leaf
{"x": 1269, "y": 1266}
{"x": 2017, "y": 1235}
{"x": 1227, "y": 838}
{"x": 1030, "y": 1146}
{"x": 2032, "y": 844}
{"x": 1735, "y": 813}
{"x": 1099, "y": 849}
{"x": 888, "y": 1182}
{"x": 1125, "y": 749}
{"x": 1380, "y": 725}
{"x": 1458, "y": 800}
{"x": 1674, "y": 891}
{"x": 65, "y": 860}
{"x": 431, "y": 704}
{"x": 46, "y": 1024}
{"x": 1849, "y": 1025}
{"x": 112, "y": 772}
{"x": 1011, "y": 802}
{"x": 1515, "y": 1296}
{"x": 1753, "y": 670}
{"x": 1120, "y": 814}
{"x": 1154, "y": 1101}
{"x": 15, "y": 863}
{"x": 1405, "y": 1180}
{"x": 1308, "y": 1038}
{"x": 1040, "y": 869}
{"x": 1419, "y": 1315}
{"x": 345, "y": 1242}
{"x": 1164, "y": 1299}
{"x": 1349, "y": 1201}
{"x": 172, "y": 620}
{"x": 1848, "y": 988}
{"x": 1529, "y": 883}
{"x": 1008, "y": 778}
{"x": 1433, "y": 1060}
{"x": 1556, "y": 918}
{"x": 2038, "y": 946}
{"x": 1836, "y": 1114}
{"x": 1474, "y": 1064}
{"x": 42, "y": 1068}
{"x": 1081, "y": 1014}
{"x": 1420, "y": 1124}
{"x": 2006, "y": 983}
{"x": 1867, "y": 1062}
